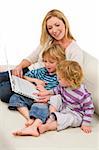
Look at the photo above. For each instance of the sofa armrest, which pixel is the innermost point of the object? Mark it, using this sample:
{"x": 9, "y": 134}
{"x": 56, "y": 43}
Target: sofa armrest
{"x": 91, "y": 70}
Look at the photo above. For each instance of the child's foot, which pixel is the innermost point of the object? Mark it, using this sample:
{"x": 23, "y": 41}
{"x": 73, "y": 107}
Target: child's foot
{"x": 29, "y": 122}
{"x": 49, "y": 120}
{"x": 32, "y": 131}
{"x": 43, "y": 128}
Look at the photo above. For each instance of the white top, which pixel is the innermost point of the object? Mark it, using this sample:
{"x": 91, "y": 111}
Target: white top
{"x": 73, "y": 52}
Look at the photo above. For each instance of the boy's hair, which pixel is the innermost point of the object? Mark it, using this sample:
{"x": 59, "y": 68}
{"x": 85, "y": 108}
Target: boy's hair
{"x": 71, "y": 71}
{"x": 54, "y": 51}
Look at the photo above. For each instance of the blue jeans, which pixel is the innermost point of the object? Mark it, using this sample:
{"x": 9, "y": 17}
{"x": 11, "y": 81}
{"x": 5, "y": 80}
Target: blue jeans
{"x": 39, "y": 110}
{"x": 4, "y": 76}
{"x": 5, "y": 87}
{"x": 17, "y": 101}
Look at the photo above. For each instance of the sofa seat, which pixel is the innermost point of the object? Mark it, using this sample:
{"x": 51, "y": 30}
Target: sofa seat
{"x": 70, "y": 139}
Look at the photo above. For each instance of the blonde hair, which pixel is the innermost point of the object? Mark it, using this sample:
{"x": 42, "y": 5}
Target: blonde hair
{"x": 45, "y": 35}
{"x": 54, "y": 51}
{"x": 71, "y": 71}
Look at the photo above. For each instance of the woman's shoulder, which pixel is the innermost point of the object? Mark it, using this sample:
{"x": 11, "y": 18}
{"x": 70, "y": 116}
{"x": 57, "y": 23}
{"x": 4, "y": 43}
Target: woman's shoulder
{"x": 75, "y": 53}
{"x": 73, "y": 45}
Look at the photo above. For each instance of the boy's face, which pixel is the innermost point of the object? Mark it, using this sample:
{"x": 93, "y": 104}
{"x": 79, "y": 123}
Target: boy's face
{"x": 63, "y": 82}
{"x": 50, "y": 64}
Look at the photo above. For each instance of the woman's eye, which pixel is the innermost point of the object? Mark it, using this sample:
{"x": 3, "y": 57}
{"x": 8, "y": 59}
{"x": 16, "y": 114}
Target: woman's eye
{"x": 49, "y": 28}
{"x": 57, "y": 25}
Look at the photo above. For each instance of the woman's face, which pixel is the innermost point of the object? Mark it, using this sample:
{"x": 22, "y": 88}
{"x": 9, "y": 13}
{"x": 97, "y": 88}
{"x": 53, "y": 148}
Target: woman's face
{"x": 56, "y": 28}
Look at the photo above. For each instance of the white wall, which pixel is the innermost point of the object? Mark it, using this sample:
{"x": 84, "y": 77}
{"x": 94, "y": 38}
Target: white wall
{"x": 20, "y": 25}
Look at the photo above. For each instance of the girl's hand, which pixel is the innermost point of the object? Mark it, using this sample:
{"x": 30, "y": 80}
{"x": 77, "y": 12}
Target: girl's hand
{"x": 42, "y": 91}
{"x": 86, "y": 129}
{"x": 43, "y": 99}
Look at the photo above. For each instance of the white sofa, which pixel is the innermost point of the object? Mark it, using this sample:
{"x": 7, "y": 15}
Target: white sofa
{"x": 69, "y": 139}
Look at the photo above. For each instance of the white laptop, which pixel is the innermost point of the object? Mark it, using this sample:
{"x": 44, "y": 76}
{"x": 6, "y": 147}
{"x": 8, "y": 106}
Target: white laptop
{"x": 23, "y": 87}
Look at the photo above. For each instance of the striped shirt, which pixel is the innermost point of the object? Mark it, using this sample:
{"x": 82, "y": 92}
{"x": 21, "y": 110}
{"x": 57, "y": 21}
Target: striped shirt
{"x": 78, "y": 100}
{"x": 43, "y": 74}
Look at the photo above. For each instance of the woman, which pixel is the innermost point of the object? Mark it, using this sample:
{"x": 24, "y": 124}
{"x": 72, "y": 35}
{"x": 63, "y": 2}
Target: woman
{"x": 55, "y": 29}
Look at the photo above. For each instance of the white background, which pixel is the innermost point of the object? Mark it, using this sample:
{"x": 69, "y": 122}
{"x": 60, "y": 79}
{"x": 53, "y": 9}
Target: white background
{"x": 20, "y": 25}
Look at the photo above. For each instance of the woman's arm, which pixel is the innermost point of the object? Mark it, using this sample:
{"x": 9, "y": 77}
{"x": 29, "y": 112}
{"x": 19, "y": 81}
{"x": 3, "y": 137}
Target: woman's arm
{"x": 18, "y": 69}
{"x": 32, "y": 58}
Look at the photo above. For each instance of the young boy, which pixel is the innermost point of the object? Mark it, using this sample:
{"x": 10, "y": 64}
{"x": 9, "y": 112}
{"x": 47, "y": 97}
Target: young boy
{"x": 45, "y": 76}
{"x": 71, "y": 106}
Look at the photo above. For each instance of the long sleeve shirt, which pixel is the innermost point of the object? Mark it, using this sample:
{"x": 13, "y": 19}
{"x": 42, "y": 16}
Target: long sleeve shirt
{"x": 78, "y": 100}
{"x": 72, "y": 52}
{"x": 44, "y": 75}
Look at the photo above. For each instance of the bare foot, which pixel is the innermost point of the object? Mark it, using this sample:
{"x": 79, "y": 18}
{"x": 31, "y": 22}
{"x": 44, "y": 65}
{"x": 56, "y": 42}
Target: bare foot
{"x": 31, "y": 131}
{"x": 49, "y": 120}
{"x": 29, "y": 122}
{"x": 43, "y": 128}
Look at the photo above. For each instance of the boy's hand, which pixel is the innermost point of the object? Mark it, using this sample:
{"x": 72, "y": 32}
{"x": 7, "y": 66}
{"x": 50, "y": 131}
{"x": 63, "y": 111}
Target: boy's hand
{"x": 40, "y": 82}
{"x": 86, "y": 129}
{"x": 40, "y": 87}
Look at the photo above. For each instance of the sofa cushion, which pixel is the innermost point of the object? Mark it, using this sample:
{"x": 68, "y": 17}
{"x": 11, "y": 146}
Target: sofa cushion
{"x": 91, "y": 70}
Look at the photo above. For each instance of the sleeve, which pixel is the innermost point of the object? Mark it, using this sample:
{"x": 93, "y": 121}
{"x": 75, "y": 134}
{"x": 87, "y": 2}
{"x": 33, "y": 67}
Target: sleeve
{"x": 74, "y": 52}
{"x": 57, "y": 90}
{"x": 32, "y": 73}
{"x": 88, "y": 109}
{"x": 33, "y": 57}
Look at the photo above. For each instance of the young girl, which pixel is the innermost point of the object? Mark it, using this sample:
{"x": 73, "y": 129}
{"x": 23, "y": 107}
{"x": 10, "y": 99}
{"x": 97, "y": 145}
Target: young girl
{"x": 46, "y": 77}
{"x": 73, "y": 106}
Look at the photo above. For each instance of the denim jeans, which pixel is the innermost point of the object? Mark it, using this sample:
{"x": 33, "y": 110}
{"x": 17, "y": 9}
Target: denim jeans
{"x": 5, "y": 91}
{"x": 17, "y": 101}
{"x": 4, "y": 76}
{"x": 5, "y": 87}
{"x": 39, "y": 110}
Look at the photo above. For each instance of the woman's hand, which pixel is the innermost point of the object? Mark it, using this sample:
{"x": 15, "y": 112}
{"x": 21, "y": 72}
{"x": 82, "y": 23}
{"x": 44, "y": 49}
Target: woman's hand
{"x": 17, "y": 71}
{"x": 86, "y": 129}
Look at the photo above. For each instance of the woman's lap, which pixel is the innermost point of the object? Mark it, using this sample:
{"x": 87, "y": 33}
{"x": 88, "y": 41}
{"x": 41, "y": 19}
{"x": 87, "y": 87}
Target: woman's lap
{"x": 5, "y": 91}
{"x": 4, "y": 76}
{"x": 5, "y": 87}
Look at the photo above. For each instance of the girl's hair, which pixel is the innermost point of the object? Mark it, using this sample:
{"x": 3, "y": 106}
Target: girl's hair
{"x": 54, "y": 51}
{"x": 45, "y": 37}
{"x": 70, "y": 71}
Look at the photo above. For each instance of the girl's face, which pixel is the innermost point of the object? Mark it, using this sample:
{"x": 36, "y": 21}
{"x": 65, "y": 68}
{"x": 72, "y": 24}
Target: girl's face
{"x": 63, "y": 82}
{"x": 56, "y": 28}
{"x": 50, "y": 64}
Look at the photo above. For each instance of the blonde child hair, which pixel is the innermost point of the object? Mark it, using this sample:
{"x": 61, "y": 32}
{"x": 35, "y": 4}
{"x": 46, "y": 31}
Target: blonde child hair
{"x": 70, "y": 71}
{"x": 55, "y": 52}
